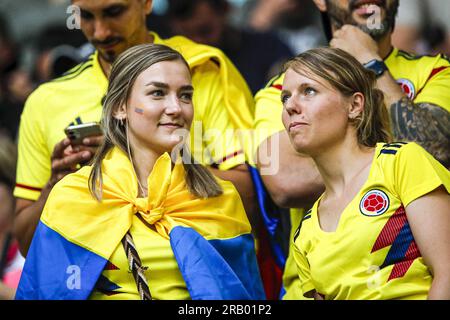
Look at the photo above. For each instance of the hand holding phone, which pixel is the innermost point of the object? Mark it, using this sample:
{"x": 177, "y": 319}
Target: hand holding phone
{"x": 76, "y": 133}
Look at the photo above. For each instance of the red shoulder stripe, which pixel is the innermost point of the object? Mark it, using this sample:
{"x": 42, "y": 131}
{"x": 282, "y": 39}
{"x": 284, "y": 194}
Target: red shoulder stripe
{"x": 28, "y": 187}
{"x": 277, "y": 86}
{"x": 432, "y": 74}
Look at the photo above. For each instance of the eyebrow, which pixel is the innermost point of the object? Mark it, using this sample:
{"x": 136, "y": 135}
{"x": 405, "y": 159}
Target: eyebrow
{"x": 166, "y": 86}
{"x": 107, "y": 9}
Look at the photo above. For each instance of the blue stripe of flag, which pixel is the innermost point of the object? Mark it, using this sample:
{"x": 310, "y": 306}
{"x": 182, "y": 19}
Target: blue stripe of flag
{"x": 56, "y": 269}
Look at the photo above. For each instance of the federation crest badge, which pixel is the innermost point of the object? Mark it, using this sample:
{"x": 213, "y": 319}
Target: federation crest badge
{"x": 374, "y": 203}
{"x": 407, "y": 88}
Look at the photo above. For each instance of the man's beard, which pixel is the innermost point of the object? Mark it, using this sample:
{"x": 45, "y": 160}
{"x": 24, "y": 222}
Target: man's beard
{"x": 339, "y": 17}
{"x": 108, "y": 56}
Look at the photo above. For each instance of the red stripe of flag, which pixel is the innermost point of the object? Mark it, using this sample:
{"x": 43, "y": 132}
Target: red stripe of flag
{"x": 390, "y": 230}
{"x": 110, "y": 266}
{"x": 232, "y": 155}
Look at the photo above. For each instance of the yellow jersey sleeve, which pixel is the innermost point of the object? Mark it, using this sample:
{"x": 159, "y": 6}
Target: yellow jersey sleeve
{"x": 212, "y": 123}
{"x": 303, "y": 269}
{"x": 424, "y": 79}
{"x": 437, "y": 86}
{"x": 418, "y": 173}
{"x": 291, "y": 280}
{"x": 268, "y": 111}
{"x": 33, "y": 164}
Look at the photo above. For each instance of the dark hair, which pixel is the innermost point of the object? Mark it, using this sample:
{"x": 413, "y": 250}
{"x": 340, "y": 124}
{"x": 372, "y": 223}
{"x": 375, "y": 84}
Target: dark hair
{"x": 183, "y": 9}
{"x": 344, "y": 73}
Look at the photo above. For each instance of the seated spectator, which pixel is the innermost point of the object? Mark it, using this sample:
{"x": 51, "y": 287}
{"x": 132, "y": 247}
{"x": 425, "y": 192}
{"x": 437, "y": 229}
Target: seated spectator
{"x": 378, "y": 195}
{"x": 258, "y": 56}
{"x": 11, "y": 262}
{"x": 182, "y": 232}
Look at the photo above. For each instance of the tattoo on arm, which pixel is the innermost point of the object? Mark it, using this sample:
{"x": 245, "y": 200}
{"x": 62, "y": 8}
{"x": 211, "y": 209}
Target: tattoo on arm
{"x": 424, "y": 123}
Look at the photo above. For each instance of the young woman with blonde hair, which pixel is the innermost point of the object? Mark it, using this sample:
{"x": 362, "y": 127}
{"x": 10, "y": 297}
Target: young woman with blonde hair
{"x": 143, "y": 205}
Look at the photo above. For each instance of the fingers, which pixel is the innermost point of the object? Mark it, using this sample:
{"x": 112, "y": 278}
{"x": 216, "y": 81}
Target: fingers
{"x": 58, "y": 150}
{"x": 89, "y": 144}
{"x": 69, "y": 162}
{"x": 93, "y": 141}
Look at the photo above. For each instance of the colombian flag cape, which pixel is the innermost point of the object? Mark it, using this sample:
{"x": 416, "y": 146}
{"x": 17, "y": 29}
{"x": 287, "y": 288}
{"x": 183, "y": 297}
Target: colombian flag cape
{"x": 76, "y": 235}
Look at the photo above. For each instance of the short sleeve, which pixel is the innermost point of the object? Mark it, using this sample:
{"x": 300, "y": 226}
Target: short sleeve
{"x": 33, "y": 164}
{"x": 437, "y": 87}
{"x": 418, "y": 173}
{"x": 303, "y": 269}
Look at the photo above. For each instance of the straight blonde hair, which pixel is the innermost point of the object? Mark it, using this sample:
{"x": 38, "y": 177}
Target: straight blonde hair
{"x": 125, "y": 70}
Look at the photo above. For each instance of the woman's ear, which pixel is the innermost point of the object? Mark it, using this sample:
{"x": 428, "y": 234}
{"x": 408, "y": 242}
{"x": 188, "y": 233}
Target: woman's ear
{"x": 356, "y": 105}
{"x": 321, "y": 5}
{"x": 120, "y": 113}
{"x": 148, "y": 6}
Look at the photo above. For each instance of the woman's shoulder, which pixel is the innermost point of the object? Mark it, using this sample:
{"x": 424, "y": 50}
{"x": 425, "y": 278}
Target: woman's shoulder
{"x": 72, "y": 186}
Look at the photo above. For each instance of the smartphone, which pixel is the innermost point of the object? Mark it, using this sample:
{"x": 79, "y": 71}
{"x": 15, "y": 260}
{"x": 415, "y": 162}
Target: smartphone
{"x": 76, "y": 133}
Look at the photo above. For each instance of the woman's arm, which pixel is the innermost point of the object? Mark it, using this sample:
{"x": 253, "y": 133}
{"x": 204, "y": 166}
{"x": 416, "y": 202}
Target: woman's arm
{"x": 429, "y": 218}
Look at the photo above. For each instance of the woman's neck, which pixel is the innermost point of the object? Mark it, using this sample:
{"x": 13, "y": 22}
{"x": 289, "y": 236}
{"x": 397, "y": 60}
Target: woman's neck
{"x": 143, "y": 160}
{"x": 341, "y": 164}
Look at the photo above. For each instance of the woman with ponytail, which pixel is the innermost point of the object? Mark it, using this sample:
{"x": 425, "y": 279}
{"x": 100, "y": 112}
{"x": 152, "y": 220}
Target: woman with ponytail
{"x": 144, "y": 220}
{"x": 381, "y": 229}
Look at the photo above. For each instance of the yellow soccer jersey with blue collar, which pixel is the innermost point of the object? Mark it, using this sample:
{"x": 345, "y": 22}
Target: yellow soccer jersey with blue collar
{"x": 77, "y": 98}
{"x": 373, "y": 254}
{"x": 163, "y": 275}
{"x": 424, "y": 79}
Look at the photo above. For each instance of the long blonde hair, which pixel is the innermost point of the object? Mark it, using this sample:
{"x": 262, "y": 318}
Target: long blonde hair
{"x": 348, "y": 76}
{"x": 125, "y": 70}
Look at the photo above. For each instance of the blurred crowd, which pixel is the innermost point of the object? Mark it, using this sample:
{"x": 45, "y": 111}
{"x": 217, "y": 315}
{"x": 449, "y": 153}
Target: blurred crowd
{"x": 37, "y": 46}
{"x": 258, "y": 36}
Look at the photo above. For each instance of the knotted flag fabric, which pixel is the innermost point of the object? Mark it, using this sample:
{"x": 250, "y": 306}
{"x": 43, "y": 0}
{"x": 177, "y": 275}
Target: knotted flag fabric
{"x": 211, "y": 238}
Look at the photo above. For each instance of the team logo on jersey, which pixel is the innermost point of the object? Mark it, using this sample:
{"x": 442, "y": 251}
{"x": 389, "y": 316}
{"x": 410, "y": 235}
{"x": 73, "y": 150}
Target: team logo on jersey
{"x": 407, "y": 88}
{"x": 374, "y": 203}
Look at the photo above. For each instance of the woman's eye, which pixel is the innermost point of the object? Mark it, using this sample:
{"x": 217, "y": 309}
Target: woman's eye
{"x": 284, "y": 99}
{"x": 157, "y": 93}
{"x": 186, "y": 96}
{"x": 310, "y": 91}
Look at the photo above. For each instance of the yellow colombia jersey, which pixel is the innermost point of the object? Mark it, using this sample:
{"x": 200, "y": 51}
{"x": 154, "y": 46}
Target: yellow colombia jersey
{"x": 373, "y": 254}
{"x": 222, "y": 101}
{"x": 424, "y": 79}
{"x": 163, "y": 275}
